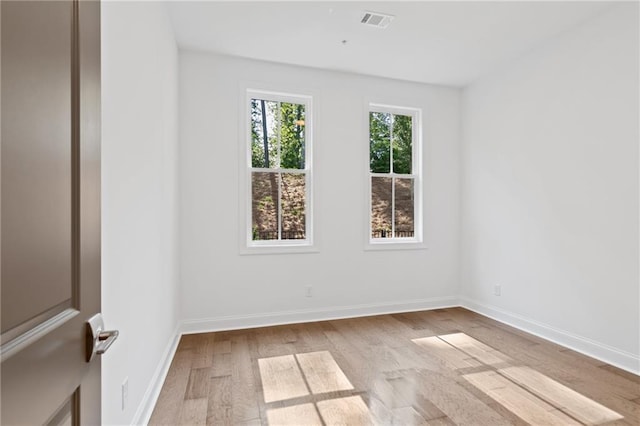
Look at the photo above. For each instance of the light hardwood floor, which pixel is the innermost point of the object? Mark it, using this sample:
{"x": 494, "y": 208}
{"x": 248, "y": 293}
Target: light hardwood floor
{"x": 441, "y": 367}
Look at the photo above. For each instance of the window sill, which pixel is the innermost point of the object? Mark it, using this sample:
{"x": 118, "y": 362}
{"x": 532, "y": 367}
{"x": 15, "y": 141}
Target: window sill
{"x": 279, "y": 249}
{"x": 394, "y": 245}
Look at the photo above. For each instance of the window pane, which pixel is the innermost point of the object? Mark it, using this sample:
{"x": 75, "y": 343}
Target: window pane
{"x": 292, "y": 148}
{"x": 402, "y": 144}
{"x": 264, "y": 139}
{"x": 379, "y": 142}
{"x": 404, "y": 208}
{"x": 293, "y": 206}
{"x": 264, "y": 206}
{"x": 381, "y": 207}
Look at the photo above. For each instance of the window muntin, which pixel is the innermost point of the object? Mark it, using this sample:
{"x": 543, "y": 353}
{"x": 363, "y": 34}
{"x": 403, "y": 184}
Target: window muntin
{"x": 279, "y": 170}
{"x": 394, "y": 175}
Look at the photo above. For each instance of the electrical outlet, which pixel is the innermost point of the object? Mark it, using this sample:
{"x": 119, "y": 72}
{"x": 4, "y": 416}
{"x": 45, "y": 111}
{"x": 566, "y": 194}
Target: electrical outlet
{"x": 308, "y": 291}
{"x": 125, "y": 392}
{"x": 497, "y": 289}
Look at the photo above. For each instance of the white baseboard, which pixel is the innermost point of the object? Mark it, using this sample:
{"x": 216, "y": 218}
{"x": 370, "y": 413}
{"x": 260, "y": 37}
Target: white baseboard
{"x": 148, "y": 403}
{"x": 309, "y": 315}
{"x": 621, "y": 359}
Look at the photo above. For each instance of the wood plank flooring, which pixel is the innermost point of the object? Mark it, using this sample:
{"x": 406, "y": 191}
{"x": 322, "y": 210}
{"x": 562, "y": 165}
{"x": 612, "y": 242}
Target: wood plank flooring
{"x": 440, "y": 367}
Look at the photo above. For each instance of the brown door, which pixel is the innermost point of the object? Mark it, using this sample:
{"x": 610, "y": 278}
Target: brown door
{"x": 50, "y": 182}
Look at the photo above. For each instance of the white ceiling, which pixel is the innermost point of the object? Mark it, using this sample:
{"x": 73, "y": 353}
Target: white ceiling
{"x": 445, "y": 42}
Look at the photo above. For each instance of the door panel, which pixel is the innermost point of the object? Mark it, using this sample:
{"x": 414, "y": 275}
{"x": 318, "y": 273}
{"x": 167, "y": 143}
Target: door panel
{"x": 36, "y": 248}
{"x": 50, "y": 236}
{"x": 66, "y": 414}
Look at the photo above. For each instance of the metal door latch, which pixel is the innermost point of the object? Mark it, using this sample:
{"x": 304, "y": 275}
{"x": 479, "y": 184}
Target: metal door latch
{"x": 98, "y": 340}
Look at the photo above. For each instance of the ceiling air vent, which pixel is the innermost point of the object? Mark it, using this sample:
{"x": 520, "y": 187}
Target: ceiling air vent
{"x": 375, "y": 19}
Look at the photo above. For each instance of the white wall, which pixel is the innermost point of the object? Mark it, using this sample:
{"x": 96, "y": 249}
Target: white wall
{"x": 139, "y": 196}
{"x": 220, "y": 287}
{"x": 550, "y": 189}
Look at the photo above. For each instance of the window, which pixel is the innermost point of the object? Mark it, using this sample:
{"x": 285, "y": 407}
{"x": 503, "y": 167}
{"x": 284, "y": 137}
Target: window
{"x": 279, "y": 169}
{"x": 394, "y": 175}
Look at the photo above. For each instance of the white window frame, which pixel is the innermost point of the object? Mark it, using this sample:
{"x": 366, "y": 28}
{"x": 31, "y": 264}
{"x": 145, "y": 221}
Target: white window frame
{"x": 393, "y": 243}
{"x": 248, "y": 245}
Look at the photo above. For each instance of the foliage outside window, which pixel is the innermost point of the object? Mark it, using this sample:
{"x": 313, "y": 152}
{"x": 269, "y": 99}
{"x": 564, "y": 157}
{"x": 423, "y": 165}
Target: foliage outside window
{"x": 279, "y": 171}
{"x": 393, "y": 175}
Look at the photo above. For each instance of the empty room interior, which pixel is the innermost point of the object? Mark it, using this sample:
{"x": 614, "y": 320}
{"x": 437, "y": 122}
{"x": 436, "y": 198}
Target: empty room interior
{"x": 349, "y": 213}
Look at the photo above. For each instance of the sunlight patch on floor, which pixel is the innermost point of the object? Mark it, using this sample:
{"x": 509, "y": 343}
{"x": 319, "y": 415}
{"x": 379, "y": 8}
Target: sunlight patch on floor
{"x": 296, "y": 415}
{"x": 281, "y": 378}
{"x": 523, "y": 404}
{"x": 323, "y": 373}
{"x": 447, "y": 353}
{"x": 475, "y": 348}
{"x": 345, "y": 411}
{"x": 577, "y": 405}
{"x": 527, "y": 393}
{"x": 293, "y": 376}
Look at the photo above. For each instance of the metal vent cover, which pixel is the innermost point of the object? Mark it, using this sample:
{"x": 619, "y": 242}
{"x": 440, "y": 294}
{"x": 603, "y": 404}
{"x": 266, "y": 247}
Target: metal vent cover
{"x": 376, "y": 19}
